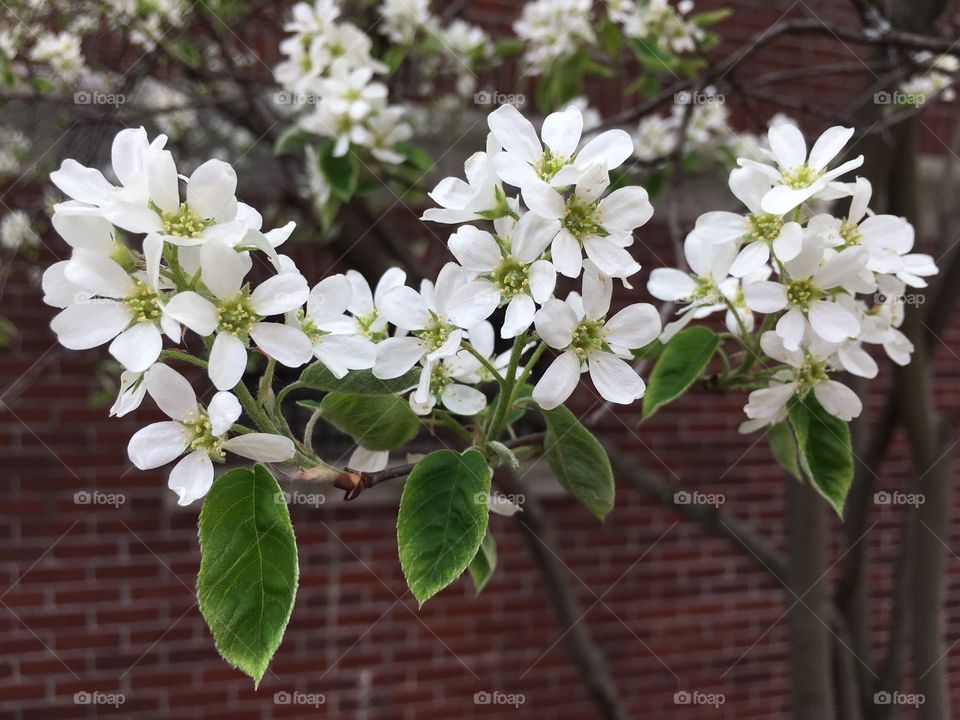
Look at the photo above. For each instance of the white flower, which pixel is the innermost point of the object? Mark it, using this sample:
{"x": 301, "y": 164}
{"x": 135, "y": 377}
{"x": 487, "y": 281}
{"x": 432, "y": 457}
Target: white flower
{"x": 510, "y": 270}
{"x": 797, "y": 177}
{"x": 130, "y": 395}
{"x": 588, "y": 341}
{"x": 236, "y": 314}
{"x": 807, "y": 371}
{"x": 806, "y": 291}
{"x": 702, "y": 289}
{"x": 554, "y": 29}
{"x": 480, "y": 196}
{"x": 15, "y": 231}
{"x": 62, "y": 52}
{"x": 200, "y": 432}
{"x": 386, "y": 130}
{"x": 424, "y": 314}
{"x": 348, "y": 91}
{"x": 115, "y": 306}
{"x": 759, "y": 232}
{"x": 403, "y": 19}
{"x": 366, "y": 317}
{"x": 148, "y": 200}
{"x": 323, "y": 324}
{"x": 601, "y": 227}
{"x": 556, "y": 162}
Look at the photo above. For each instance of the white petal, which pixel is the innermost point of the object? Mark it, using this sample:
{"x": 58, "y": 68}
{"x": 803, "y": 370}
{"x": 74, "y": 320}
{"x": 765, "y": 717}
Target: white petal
{"x": 280, "y": 294}
{"x": 98, "y": 274}
{"x": 368, "y": 460}
{"x": 264, "y": 447}
{"x": 720, "y": 226}
{"x": 752, "y": 257}
{"x": 633, "y": 327}
{"x": 768, "y": 402}
{"x": 609, "y": 258}
{"x": 614, "y": 379}
{"x": 597, "y": 292}
{"x": 555, "y": 323}
{"x": 857, "y": 361}
{"x": 397, "y": 355}
{"x": 543, "y": 279}
{"x": 284, "y": 343}
{"x": 788, "y": 145}
{"x": 473, "y": 303}
{"x": 129, "y": 147}
{"x": 566, "y": 255}
{"x": 531, "y": 236}
{"x": 838, "y": 400}
{"x": 349, "y": 351}
{"x": 670, "y": 284}
{"x": 211, "y": 190}
{"x": 158, "y": 444}
{"x": 84, "y": 231}
{"x": 475, "y": 249}
{"x": 842, "y": 268}
{"x": 331, "y": 297}
{"x": 765, "y": 296}
{"x": 224, "y": 410}
{"x": 790, "y": 328}
{"x": 463, "y": 400}
{"x": 561, "y": 131}
{"x": 610, "y": 149}
{"x": 405, "y": 307}
{"x": 519, "y": 316}
{"x": 223, "y": 268}
{"x": 194, "y": 311}
{"x": 781, "y": 199}
{"x": 626, "y": 208}
{"x": 192, "y": 477}
{"x": 228, "y": 360}
{"x": 543, "y": 200}
{"x": 171, "y": 391}
{"x": 832, "y": 322}
{"x": 828, "y": 146}
{"x": 515, "y": 133}
{"x": 82, "y": 183}
{"x": 88, "y": 324}
{"x": 789, "y": 242}
{"x": 558, "y": 381}
{"x": 138, "y": 347}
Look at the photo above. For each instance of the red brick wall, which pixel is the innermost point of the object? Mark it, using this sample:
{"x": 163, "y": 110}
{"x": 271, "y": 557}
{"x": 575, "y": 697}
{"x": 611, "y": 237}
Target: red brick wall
{"x": 97, "y": 599}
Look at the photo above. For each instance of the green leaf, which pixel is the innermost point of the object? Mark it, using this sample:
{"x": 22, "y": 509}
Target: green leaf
{"x": 443, "y": 518}
{"x": 680, "y": 364}
{"x": 394, "y": 56}
{"x": 417, "y": 158}
{"x": 484, "y": 562}
{"x": 579, "y": 461}
{"x": 341, "y": 172}
{"x": 292, "y": 140}
{"x": 358, "y": 382}
{"x": 378, "y": 422}
{"x": 784, "y": 448}
{"x": 248, "y": 567}
{"x": 650, "y": 351}
{"x": 711, "y": 18}
{"x": 826, "y": 454}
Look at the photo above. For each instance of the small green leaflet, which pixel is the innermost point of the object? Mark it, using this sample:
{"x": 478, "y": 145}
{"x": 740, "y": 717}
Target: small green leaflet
{"x": 377, "y": 422}
{"x": 341, "y": 172}
{"x": 442, "y": 520}
{"x": 826, "y": 453}
{"x": 248, "y": 567}
{"x": 484, "y": 562}
{"x": 682, "y": 361}
{"x": 358, "y": 382}
{"x": 579, "y": 461}
{"x": 784, "y": 448}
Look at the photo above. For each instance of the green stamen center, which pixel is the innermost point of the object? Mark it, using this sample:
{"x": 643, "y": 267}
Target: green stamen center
{"x": 800, "y": 293}
{"x": 235, "y": 316}
{"x": 811, "y": 372}
{"x": 549, "y": 164}
{"x": 850, "y": 233}
{"x": 143, "y": 303}
{"x": 184, "y": 222}
{"x": 435, "y": 334}
{"x": 800, "y": 176}
{"x": 704, "y": 288}
{"x": 764, "y": 227}
{"x": 587, "y": 338}
{"x": 582, "y": 220}
{"x": 199, "y": 426}
{"x": 510, "y": 277}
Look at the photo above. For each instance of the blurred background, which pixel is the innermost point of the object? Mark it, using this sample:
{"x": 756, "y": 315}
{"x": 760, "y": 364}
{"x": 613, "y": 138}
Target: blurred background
{"x": 718, "y": 587}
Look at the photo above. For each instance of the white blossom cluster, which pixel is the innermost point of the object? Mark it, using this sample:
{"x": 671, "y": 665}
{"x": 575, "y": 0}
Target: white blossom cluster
{"x": 329, "y": 75}
{"x": 937, "y": 80}
{"x": 826, "y": 285}
{"x": 659, "y": 21}
{"x": 554, "y": 29}
{"x": 150, "y": 262}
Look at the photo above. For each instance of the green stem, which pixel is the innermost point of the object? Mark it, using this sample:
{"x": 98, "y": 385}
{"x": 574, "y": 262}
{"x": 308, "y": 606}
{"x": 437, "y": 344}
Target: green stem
{"x": 185, "y": 357}
{"x": 308, "y": 430}
{"x": 528, "y": 368}
{"x": 256, "y": 413}
{"x": 505, "y": 396}
{"x": 266, "y": 381}
{"x": 484, "y": 361}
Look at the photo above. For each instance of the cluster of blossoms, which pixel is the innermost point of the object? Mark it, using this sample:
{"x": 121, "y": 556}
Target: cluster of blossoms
{"x": 147, "y": 22}
{"x": 668, "y": 26}
{"x": 938, "y": 79}
{"x": 150, "y": 262}
{"x": 705, "y": 132}
{"x": 554, "y": 29}
{"x": 329, "y": 69}
{"x": 826, "y": 285}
